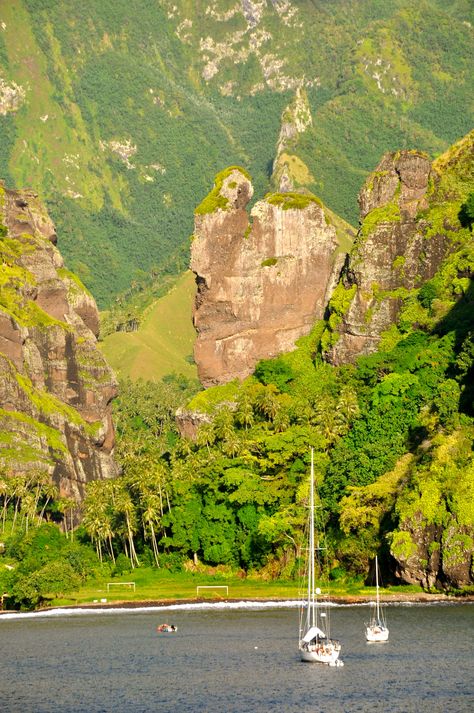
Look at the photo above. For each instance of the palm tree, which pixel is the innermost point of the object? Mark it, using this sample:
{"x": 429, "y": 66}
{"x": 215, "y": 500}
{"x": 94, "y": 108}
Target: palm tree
{"x": 267, "y": 401}
{"x": 244, "y": 414}
{"x": 347, "y": 406}
{"x": 125, "y": 507}
{"x": 65, "y": 506}
{"x": 146, "y": 482}
{"x": 331, "y": 426}
{"x": 97, "y": 515}
{"x": 6, "y": 492}
{"x": 151, "y": 507}
{"x": 19, "y": 490}
{"x": 224, "y": 423}
{"x": 93, "y": 526}
{"x": 48, "y": 491}
{"x": 282, "y": 419}
{"x": 232, "y": 444}
{"x": 206, "y": 435}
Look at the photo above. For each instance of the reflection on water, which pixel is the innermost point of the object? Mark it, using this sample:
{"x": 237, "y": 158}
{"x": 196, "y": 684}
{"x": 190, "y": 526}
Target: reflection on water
{"x": 228, "y": 661}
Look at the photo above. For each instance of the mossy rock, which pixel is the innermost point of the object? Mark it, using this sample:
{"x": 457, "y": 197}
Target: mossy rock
{"x": 40, "y": 431}
{"x": 215, "y": 200}
{"x": 269, "y": 262}
{"x": 389, "y": 213}
{"x": 206, "y": 401}
{"x": 293, "y": 201}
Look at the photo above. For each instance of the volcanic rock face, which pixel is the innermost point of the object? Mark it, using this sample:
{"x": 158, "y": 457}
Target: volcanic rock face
{"x": 55, "y": 386}
{"x": 262, "y": 282}
{"x": 391, "y": 253}
{"x": 441, "y": 556}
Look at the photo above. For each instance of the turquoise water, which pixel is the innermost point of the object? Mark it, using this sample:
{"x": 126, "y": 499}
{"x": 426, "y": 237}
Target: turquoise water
{"x": 231, "y": 661}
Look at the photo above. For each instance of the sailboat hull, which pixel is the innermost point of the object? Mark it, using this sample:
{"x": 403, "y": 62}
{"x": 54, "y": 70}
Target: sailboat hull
{"x": 327, "y": 654}
{"x": 376, "y": 633}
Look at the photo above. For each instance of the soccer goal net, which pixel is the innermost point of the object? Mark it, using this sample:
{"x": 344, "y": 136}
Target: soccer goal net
{"x": 212, "y": 587}
{"x": 129, "y": 585}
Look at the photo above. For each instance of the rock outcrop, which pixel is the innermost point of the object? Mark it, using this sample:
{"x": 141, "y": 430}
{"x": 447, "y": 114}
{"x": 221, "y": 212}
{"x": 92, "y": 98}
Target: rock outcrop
{"x": 433, "y": 543}
{"x": 55, "y": 386}
{"x": 263, "y": 280}
{"x": 435, "y": 556}
{"x": 392, "y": 254}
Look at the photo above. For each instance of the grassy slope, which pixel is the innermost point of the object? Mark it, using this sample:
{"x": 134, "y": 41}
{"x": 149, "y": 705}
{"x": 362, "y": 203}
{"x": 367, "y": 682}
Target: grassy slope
{"x": 118, "y": 71}
{"x": 163, "y": 341}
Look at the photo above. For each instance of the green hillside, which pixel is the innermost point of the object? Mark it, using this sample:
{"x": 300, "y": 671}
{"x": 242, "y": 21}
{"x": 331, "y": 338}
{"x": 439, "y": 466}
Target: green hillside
{"x": 120, "y": 112}
{"x": 163, "y": 343}
{"x": 392, "y": 436}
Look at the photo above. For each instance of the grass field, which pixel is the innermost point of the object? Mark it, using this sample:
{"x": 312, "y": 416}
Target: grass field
{"x": 164, "y": 341}
{"x": 155, "y": 585}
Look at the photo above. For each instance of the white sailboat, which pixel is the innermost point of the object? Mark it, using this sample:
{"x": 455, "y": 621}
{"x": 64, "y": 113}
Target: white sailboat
{"x": 315, "y": 644}
{"x": 376, "y": 629}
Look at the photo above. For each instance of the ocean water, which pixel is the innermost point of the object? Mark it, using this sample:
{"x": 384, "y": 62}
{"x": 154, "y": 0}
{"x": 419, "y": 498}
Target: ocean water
{"x": 231, "y": 660}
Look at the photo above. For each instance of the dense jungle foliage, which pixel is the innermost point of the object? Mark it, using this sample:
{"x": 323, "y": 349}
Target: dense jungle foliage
{"x": 124, "y": 110}
{"x": 392, "y": 437}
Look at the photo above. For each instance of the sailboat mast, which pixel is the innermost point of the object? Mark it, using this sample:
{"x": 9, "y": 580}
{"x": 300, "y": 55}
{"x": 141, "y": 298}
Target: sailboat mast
{"x": 377, "y": 587}
{"x": 311, "y": 578}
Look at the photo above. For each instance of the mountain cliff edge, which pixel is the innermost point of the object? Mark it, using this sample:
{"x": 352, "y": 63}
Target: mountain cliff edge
{"x": 55, "y": 386}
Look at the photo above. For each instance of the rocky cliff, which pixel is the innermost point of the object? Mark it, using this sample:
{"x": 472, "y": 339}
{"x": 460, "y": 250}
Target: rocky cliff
{"x": 263, "y": 278}
{"x": 400, "y": 245}
{"x": 55, "y": 386}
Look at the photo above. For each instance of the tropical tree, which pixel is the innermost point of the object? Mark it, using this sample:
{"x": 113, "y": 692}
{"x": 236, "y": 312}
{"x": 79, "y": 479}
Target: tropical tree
{"x": 67, "y": 506}
{"x": 244, "y": 414}
{"x": 6, "y": 494}
{"x": 97, "y": 510}
{"x": 267, "y": 401}
{"x": 126, "y": 520}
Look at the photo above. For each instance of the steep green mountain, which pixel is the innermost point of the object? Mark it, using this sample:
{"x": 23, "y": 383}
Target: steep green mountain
{"x": 120, "y": 112}
{"x": 393, "y": 433}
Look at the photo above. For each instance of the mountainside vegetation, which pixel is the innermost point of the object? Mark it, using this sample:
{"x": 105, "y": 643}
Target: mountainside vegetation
{"x": 120, "y": 113}
{"x": 392, "y": 436}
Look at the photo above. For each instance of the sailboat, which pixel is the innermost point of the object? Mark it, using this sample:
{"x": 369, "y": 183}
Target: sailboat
{"x": 376, "y": 629}
{"x": 315, "y": 644}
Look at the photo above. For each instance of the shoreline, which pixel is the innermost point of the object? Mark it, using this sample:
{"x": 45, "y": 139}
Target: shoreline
{"x": 347, "y": 600}
{"x": 408, "y": 598}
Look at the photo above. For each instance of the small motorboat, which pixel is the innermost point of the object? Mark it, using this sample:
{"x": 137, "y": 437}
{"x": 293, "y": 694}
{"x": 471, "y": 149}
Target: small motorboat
{"x": 166, "y": 628}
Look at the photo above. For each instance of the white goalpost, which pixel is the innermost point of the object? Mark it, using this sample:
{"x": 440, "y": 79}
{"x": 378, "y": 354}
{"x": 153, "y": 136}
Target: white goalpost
{"x": 130, "y": 585}
{"x": 209, "y": 586}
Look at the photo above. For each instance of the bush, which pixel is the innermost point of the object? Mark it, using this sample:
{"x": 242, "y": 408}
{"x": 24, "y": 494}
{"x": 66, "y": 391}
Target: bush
{"x": 47, "y": 564}
{"x": 274, "y": 371}
{"x": 466, "y": 213}
{"x": 172, "y": 561}
{"x": 122, "y": 565}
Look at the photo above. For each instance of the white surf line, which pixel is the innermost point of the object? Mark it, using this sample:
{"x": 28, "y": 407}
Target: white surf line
{"x": 103, "y": 609}
{"x": 241, "y": 605}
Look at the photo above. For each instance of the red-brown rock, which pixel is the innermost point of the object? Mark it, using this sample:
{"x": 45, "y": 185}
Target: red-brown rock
{"x": 55, "y": 386}
{"x": 262, "y": 279}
